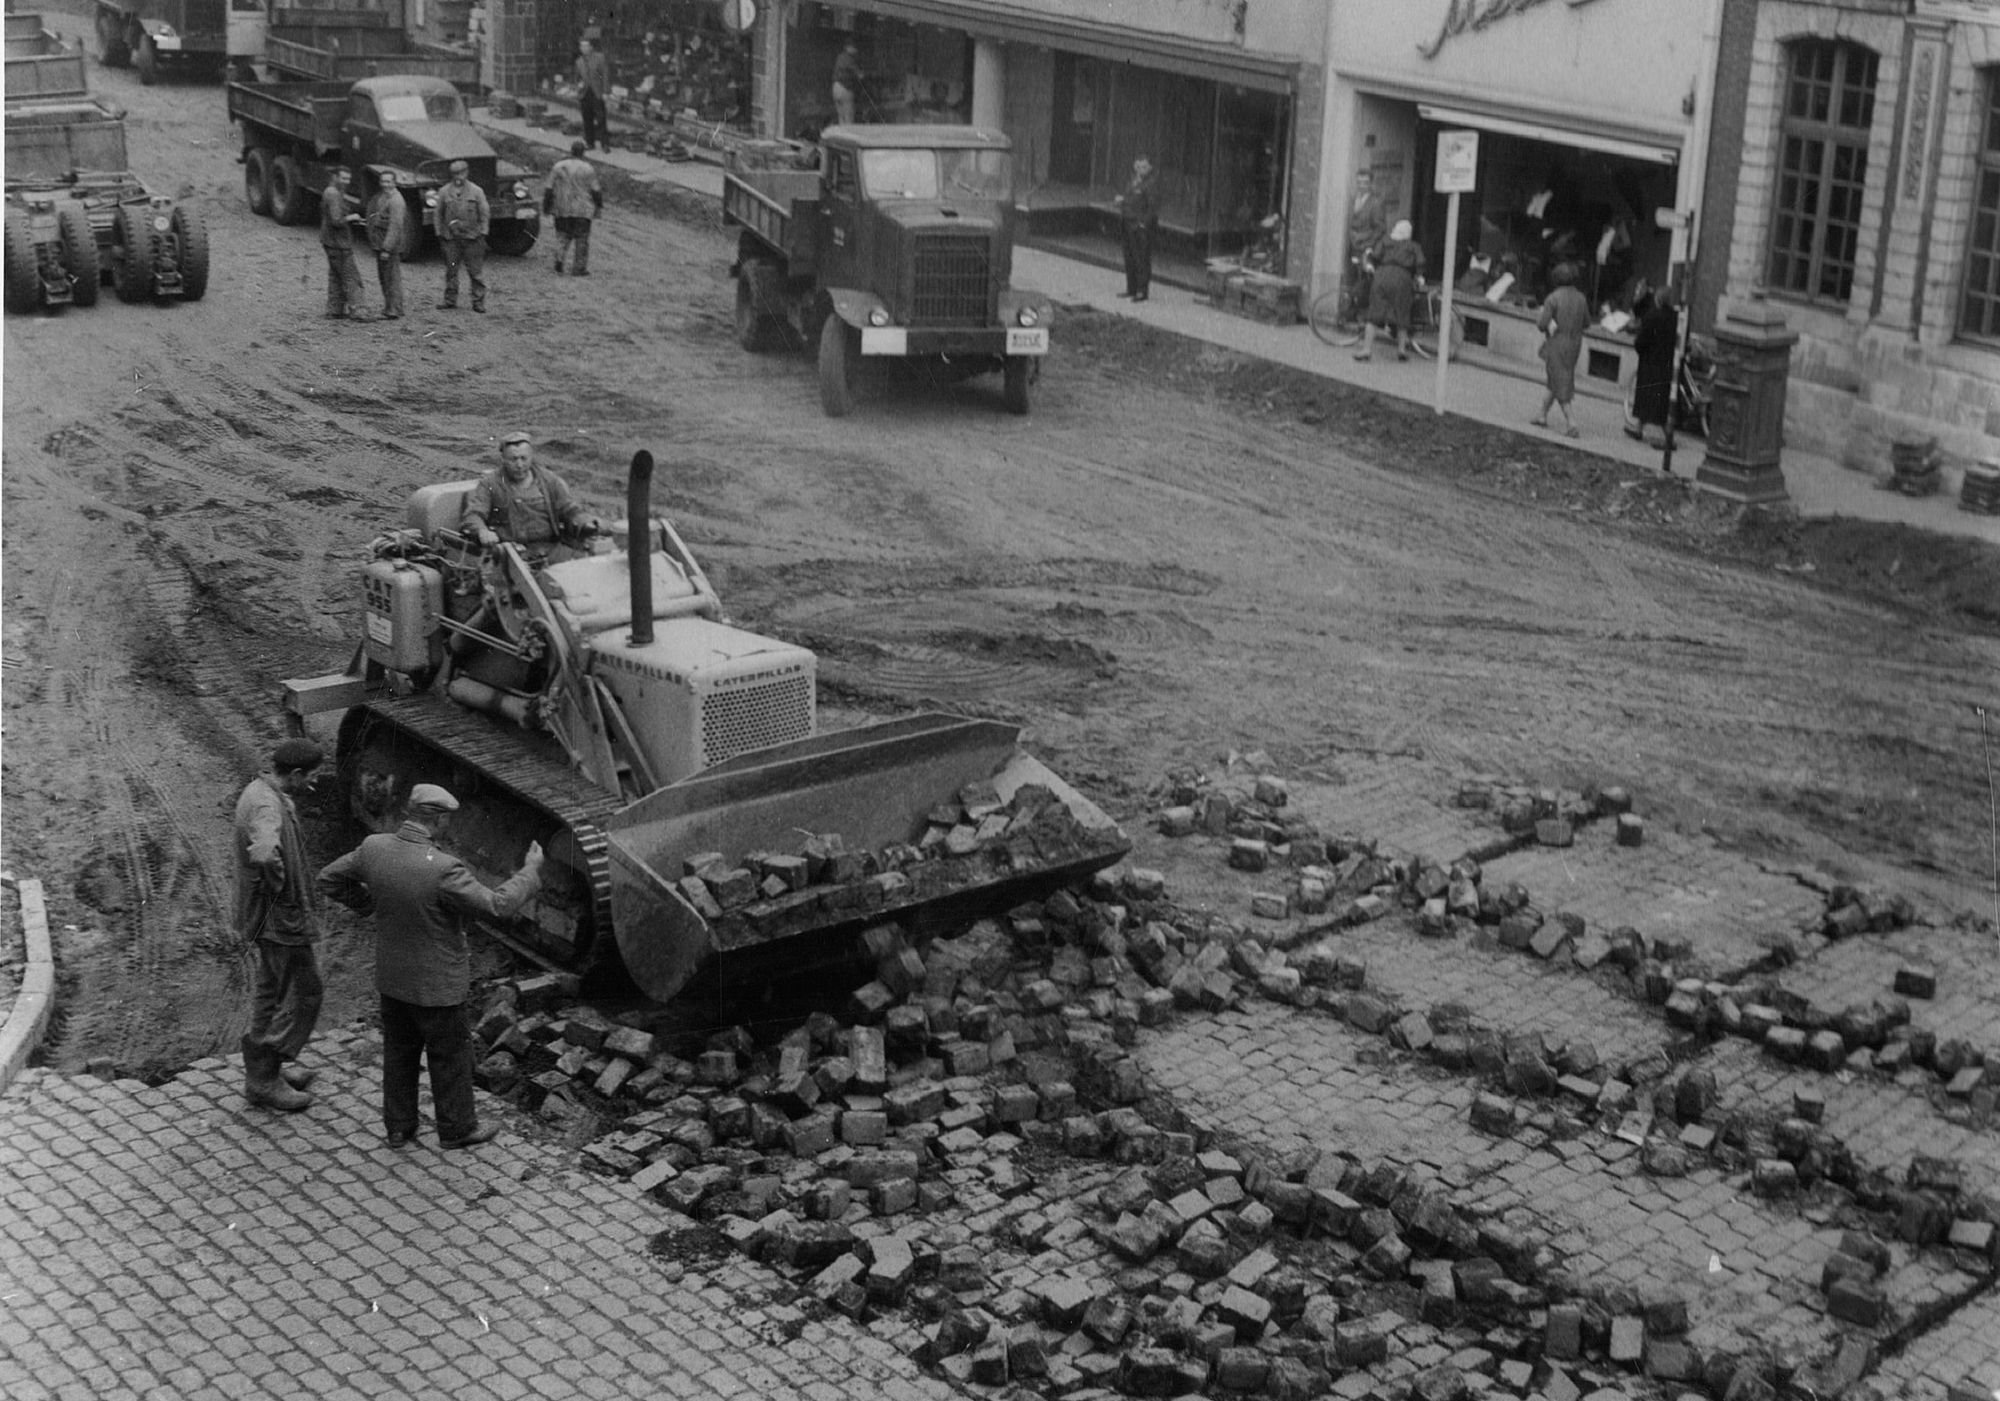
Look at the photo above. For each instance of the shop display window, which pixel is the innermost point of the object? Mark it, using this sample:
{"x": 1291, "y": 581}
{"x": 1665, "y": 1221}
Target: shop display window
{"x": 671, "y": 57}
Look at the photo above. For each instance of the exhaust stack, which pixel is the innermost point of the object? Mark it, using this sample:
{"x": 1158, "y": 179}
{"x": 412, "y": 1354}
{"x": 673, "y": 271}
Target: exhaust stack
{"x": 639, "y": 545}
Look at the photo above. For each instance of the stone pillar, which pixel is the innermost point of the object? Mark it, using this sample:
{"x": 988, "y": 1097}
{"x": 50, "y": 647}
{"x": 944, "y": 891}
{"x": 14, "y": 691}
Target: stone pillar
{"x": 1746, "y": 413}
{"x": 989, "y": 84}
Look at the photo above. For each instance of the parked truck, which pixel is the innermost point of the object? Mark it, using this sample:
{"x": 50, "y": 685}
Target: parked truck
{"x": 41, "y": 66}
{"x": 900, "y": 244}
{"x": 404, "y": 128}
{"x": 667, "y": 761}
{"x": 155, "y": 36}
{"x": 76, "y": 214}
{"x": 360, "y": 39}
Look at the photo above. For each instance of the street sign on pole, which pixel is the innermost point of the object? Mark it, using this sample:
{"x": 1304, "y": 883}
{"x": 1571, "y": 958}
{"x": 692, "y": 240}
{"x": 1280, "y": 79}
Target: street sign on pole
{"x": 1457, "y": 172}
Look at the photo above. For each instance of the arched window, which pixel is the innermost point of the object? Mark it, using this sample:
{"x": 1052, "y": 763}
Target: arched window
{"x": 1979, "y": 313}
{"x": 1822, "y": 168}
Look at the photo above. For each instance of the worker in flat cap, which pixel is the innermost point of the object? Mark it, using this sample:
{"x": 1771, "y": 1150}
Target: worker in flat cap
{"x": 525, "y": 504}
{"x": 277, "y": 917}
{"x": 463, "y": 218}
{"x": 574, "y": 197}
{"x": 420, "y": 895}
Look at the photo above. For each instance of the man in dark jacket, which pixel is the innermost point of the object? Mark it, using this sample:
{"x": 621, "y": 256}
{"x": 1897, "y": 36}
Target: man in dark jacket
{"x": 420, "y": 895}
{"x": 593, "y": 81}
{"x": 276, "y": 916}
{"x": 463, "y": 219}
{"x": 1139, "y": 218}
{"x": 339, "y": 212}
{"x": 522, "y": 503}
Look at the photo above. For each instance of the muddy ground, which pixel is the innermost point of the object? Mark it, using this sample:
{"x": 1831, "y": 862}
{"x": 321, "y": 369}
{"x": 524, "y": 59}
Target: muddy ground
{"x": 1181, "y": 554}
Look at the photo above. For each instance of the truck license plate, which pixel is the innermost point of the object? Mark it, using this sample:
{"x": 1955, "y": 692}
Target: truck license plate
{"x": 1027, "y": 340}
{"x": 885, "y": 340}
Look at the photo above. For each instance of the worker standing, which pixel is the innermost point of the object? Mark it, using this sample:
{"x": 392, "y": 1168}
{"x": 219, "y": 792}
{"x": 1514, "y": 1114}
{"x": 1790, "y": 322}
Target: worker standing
{"x": 846, "y": 82}
{"x": 338, "y": 214}
{"x": 420, "y": 895}
{"x": 523, "y": 503}
{"x": 388, "y": 227}
{"x": 593, "y": 79}
{"x": 463, "y": 218}
{"x": 574, "y": 197}
{"x": 1139, "y": 219}
{"x": 277, "y": 916}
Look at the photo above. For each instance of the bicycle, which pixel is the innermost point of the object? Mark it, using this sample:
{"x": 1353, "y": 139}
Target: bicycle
{"x": 1337, "y": 313}
{"x": 1425, "y": 311}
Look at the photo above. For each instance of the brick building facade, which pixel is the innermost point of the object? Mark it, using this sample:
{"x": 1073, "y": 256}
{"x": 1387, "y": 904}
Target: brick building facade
{"x": 1866, "y": 206}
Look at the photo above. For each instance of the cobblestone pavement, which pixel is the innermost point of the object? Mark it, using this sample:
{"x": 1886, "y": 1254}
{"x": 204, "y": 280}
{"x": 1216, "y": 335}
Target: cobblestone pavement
{"x": 166, "y": 1242}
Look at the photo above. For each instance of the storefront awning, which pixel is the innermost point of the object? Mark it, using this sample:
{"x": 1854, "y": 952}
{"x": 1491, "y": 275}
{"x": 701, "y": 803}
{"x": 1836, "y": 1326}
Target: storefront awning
{"x": 1660, "y": 153}
{"x": 1233, "y": 66}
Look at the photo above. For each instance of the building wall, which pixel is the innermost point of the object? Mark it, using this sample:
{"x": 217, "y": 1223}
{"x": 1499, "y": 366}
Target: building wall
{"x": 1888, "y": 364}
{"x": 1717, "y": 214}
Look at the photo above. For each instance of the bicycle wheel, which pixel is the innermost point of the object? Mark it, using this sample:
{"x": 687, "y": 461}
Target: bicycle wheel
{"x": 1327, "y": 322}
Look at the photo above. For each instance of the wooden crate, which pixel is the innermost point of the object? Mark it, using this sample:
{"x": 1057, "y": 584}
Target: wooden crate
{"x": 1270, "y": 299}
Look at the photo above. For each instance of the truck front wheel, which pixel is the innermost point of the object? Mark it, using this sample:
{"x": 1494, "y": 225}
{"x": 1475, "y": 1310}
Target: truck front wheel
{"x": 146, "y": 58}
{"x": 112, "y": 50}
{"x": 515, "y": 239}
{"x": 1018, "y": 375}
{"x": 839, "y": 361}
{"x": 192, "y": 234}
{"x": 24, "y": 277}
{"x": 132, "y": 269}
{"x": 755, "y": 331}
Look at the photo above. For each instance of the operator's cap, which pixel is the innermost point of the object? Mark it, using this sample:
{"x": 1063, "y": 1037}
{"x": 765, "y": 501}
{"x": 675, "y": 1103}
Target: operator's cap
{"x": 428, "y": 797}
{"x": 293, "y": 755}
{"x": 459, "y": 167}
{"x": 577, "y": 148}
{"x": 517, "y": 436}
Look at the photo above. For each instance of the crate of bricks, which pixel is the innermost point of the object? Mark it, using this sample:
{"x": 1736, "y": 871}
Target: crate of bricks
{"x": 1980, "y": 492}
{"x": 1916, "y": 462}
{"x": 1270, "y": 299}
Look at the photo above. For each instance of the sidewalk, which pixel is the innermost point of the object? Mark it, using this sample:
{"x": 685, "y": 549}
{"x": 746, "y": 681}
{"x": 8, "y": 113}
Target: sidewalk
{"x": 1479, "y": 387}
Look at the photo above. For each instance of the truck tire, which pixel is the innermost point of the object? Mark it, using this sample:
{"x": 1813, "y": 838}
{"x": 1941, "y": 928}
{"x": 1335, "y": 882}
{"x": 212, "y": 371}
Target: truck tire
{"x": 1016, "y": 378}
{"x": 289, "y": 195}
{"x": 24, "y": 279}
{"x": 132, "y": 268}
{"x": 257, "y": 180}
{"x": 513, "y": 239}
{"x": 839, "y": 361}
{"x": 79, "y": 254}
{"x": 146, "y": 58}
{"x": 112, "y": 50}
{"x": 755, "y": 332}
{"x": 191, "y": 232}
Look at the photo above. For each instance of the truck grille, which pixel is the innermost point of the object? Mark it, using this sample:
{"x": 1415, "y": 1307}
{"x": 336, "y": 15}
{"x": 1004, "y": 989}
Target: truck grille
{"x": 756, "y": 716}
{"x": 952, "y": 280}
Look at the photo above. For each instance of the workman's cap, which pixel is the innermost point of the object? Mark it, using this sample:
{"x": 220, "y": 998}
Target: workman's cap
{"x": 428, "y": 797}
{"x": 294, "y": 755}
{"x": 577, "y": 148}
{"x": 517, "y": 436}
{"x": 459, "y": 167}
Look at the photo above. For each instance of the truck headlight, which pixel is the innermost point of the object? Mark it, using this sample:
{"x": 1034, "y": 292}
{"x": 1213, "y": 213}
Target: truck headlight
{"x": 878, "y": 317}
{"x": 430, "y": 199}
{"x": 1028, "y": 316}
{"x": 520, "y": 192}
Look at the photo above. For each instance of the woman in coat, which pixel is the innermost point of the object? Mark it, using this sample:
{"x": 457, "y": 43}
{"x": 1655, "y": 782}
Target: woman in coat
{"x": 1564, "y": 316}
{"x": 1653, "y": 382}
{"x": 1397, "y": 265}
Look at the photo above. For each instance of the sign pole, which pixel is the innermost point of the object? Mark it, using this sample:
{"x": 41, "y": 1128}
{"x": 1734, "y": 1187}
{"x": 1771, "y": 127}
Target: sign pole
{"x": 1444, "y": 302}
{"x": 1457, "y": 172}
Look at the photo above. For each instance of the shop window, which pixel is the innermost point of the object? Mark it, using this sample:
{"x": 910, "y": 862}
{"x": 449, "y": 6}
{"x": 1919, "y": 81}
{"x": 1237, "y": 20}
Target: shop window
{"x": 1980, "y": 313}
{"x": 1822, "y": 169}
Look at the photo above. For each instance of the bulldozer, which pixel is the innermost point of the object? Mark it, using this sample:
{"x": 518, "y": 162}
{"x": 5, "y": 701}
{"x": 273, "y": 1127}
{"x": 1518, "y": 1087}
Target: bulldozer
{"x": 669, "y": 762}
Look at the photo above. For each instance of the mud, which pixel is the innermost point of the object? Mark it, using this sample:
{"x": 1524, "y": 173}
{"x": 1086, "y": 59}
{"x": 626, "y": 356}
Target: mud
{"x": 1180, "y": 554}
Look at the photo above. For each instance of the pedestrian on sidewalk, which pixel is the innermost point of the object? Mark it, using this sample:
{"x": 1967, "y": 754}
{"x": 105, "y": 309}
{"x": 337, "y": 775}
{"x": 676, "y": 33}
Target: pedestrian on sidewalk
{"x": 1653, "y": 380}
{"x": 593, "y": 79}
{"x": 1563, "y": 318}
{"x": 339, "y": 212}
{"x": 1139, "y": 220}
{"x": 277, "y": 917}
{"x": 463, "y": 218}
{"x": 1397, "y": 265}
{"x": 574, "y": 197}
{"x": 419, "y": 895}
{"x": 388, "y": 227}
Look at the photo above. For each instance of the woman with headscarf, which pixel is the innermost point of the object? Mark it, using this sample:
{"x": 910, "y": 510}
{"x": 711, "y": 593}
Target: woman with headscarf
{"x": 1653, "y": 382}
{"x": 1564, "y": 315}
{"x": 1397, "y": 264}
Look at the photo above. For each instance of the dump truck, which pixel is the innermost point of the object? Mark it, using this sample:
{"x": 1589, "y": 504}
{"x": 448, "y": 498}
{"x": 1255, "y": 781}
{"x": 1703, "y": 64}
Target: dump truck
{"x": 76, "y": 214}
{"x": 343, "y": 42}
{"x": 403, "y": 128}
{"x": 155, "y": 36}
{"x": 667, "y": 761}
{"x": 41, "y": 66}
{"x": 899, "y": 244}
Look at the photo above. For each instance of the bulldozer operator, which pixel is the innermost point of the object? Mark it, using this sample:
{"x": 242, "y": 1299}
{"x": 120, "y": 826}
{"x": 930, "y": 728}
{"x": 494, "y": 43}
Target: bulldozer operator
{"x": 526, "y": 505}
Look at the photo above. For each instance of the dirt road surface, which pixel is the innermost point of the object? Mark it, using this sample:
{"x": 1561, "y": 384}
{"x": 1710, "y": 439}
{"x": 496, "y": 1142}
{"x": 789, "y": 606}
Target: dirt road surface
{"x": 1179, "y": 555}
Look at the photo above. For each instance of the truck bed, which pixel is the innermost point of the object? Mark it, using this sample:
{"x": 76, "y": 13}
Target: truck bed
{"x": 777, "y": 206}
{"x": 49, "y": 141}
{"x": 308, "y": 112}
{"x": 39, "y": 65}
{"x": 352, "y": 52}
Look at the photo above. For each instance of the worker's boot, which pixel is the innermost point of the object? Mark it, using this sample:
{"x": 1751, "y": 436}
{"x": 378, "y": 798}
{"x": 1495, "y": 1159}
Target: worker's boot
{"x": 299, "y": 1077}
{"x": 263, "y": 1086}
